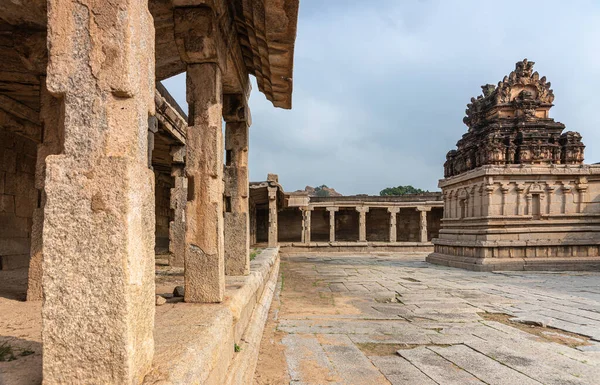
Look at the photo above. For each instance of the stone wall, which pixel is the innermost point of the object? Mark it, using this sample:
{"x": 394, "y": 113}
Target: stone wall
{"x": 290, "y": 225}
{"x": 346, "y": 224}
{"x": 407, "y": 225}
{"x": 18, "y": 198}
{"x": 378, "y": 225}
{"x": 319, "y": 225}
{"x": 434, "y": 222}
{"x": 164, "y": 214}
{"x": 262, "y": 225}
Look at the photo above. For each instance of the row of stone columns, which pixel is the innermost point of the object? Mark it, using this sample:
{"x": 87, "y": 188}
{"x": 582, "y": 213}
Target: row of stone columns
{"x": 96, "y": 208}
{"x": 362, "y": 223}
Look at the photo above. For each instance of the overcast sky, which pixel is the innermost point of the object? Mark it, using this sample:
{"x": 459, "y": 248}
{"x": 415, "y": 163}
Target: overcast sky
{"x": 380, "y": 87}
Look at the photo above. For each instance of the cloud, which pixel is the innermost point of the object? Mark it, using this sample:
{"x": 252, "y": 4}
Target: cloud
{"x": 380, "y": 88}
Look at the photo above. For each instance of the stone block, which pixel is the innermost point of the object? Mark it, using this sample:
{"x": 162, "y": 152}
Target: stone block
{"x": 8, "y": 160}
{"x": 7, "y": 204}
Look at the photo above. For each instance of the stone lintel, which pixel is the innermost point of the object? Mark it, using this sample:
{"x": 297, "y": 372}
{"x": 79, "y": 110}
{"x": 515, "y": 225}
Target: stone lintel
{"x": 197, "y": 34}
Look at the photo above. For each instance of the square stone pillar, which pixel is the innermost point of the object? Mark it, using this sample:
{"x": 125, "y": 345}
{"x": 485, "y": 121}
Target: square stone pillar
{"x": 196, "y": 38}
{"x": 237, "y": 219}
{"x": 306, "y": 219}
{"x": 423, "y": 223}
{"x": 332, "y": 211}
{"x": 178, "y": 200}
{"x": 98, "y": 231}
{"x": 393, "y": 227}
{"x": 273, "y": 231}
{"x": 362, "y": 223}
{"x": 52, "y": 144}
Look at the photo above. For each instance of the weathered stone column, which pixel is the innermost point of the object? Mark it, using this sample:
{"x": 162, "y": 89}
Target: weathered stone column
{"x": 332, "y": 211}
{"x": 98, "y": 282}
{"x": 423, "y": 223}
{"x": 52, "y": 144}
{"x": 195, "y": 35}
{"x": 273, "y": 229}
{"x": 504, "y": 190}
{"x": 362, "y": 223}
{"x": 306, "y": 214}
{"x": 520, "y": 188}
{"x": 393, "y": 227}
{"x": 237, "y": 220}
{"x": 177, "y": 203}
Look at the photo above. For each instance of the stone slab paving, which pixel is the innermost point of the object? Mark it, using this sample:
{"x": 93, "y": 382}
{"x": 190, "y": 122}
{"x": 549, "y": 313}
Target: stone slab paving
{"x": 395, "y": 319}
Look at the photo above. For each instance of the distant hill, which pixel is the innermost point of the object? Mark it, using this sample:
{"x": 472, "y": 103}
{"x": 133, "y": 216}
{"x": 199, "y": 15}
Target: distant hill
{"x": 321, "y": 191}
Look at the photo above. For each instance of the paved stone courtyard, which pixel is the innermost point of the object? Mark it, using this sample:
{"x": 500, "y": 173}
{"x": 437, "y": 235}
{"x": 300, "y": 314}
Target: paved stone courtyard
{"x": 393, "y": 318}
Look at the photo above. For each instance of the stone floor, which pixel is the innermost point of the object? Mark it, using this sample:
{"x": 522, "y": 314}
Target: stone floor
{"x": 392, "y": 318}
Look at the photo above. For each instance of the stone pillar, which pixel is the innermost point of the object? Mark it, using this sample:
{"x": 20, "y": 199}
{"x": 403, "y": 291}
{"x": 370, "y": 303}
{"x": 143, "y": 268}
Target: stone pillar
{"x": 393, "y": 227}
{"x": 272, "y": 241}
{"x": 520, "y": 188}
{"x": 306, "y": 213}
{"x": 98, "y": 282}
{"x": 489, "y": 190}
{"x": 582, "y": 187}
{"x": 504, "y": 190}
{"x": 549, "y": 193}
{"x": 178, "y": 202}
{"x": 332, "y": 211}
{"x": 362, "y": 223}
{"x": 423, "y": 223}
{"x": 52, "y": 144}
{"x": 195, "y": 36}
{"x": 237, "y": 219}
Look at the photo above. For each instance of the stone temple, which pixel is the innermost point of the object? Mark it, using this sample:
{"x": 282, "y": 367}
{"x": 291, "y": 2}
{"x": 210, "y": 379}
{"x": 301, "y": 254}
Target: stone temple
{"x": 517, "y": 195}
{"x": 135, "y": 250}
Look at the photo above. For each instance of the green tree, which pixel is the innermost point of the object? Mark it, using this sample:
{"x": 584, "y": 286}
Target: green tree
{"x": 401, "y": 190}
{"x": 321, "y": 192}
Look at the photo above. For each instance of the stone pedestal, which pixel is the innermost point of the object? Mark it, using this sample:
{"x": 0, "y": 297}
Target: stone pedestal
{"x": 272, "y": 237}
{"x": 532, "y": 220}
{"x": 332, "y": 211}
{"x": 393, "y": 225}
{"x": 237, "y": 218}
{"x": 98, "y": 282}
{"x": 362, "y": 223}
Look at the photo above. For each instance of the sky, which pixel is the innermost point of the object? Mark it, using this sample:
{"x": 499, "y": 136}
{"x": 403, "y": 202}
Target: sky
{"x": 381, "y": 87}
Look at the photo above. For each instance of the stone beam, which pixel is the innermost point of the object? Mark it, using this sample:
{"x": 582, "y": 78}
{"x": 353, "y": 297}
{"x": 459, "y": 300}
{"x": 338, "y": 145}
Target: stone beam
{"x": 199, "y": 47}
{"x": 98, "y": 231}
{"x": 237, "y": 220}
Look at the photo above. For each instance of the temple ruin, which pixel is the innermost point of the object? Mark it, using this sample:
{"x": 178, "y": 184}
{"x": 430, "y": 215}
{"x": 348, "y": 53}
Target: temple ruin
{"x": 130, "y": 230}
{"x": 100, "y": 171}
{"x": 361, "y": 223}
{"x": 517, "y": 195}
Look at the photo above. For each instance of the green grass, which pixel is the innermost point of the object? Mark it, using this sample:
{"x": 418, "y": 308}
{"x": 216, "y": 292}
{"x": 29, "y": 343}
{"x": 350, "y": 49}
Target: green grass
{"x": 254, "y": 253}
{"x": 236, "y": 348}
